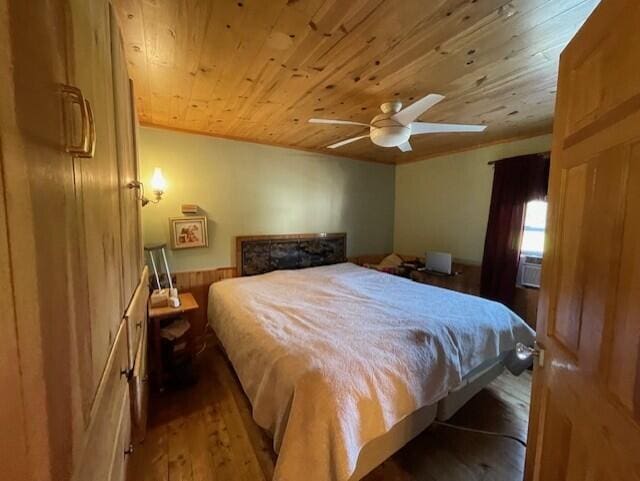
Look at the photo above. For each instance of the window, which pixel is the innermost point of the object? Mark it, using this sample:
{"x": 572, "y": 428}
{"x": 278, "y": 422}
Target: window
{"x": 534, "y": 224}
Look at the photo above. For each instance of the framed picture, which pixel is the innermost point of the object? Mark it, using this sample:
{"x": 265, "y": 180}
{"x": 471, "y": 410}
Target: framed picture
{"x": 188, "y": 232}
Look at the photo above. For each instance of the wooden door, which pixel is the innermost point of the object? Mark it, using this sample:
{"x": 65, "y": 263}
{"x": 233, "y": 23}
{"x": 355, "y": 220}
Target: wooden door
{"x": 97, "y": 178}
{"x": 586, "y": 399}
{"x": 132, "y": 254}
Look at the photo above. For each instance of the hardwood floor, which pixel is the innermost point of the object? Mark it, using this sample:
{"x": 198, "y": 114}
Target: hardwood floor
{"x": 206, "y": 433}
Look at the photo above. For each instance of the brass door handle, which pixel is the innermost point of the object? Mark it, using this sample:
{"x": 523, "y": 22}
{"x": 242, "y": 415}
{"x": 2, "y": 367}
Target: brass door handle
{"x": 90, "y": 143}
{"x": 524, "y": 352}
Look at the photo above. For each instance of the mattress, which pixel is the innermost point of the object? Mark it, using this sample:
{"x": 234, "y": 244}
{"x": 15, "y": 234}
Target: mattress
{"x": 333, "y": 358}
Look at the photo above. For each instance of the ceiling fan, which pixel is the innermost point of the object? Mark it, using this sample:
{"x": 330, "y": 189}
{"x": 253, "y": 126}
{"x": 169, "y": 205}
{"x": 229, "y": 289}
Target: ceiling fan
{"x": 395, "y": 125}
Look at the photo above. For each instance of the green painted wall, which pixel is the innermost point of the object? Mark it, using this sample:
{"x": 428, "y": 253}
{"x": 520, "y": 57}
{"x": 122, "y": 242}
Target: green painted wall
{"x": 245, "y": 189}
{"x": 443, "y": 203}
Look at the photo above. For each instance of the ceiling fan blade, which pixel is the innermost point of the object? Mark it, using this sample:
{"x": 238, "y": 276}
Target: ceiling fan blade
{"x": 416, "y": 109}
{"x": 347, "y": 141}
{"x": 406, "y": 147}
{"x": 337, "y": 122}
{"x": 432, "y": 128}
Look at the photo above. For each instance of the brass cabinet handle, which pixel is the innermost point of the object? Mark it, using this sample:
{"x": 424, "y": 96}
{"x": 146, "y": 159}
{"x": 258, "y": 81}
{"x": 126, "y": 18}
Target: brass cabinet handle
{"x": 74, "y": 94}
{"x": 129, "y": 449}
{"x": 90, "y": 144}
{"x": 87, "y": 146}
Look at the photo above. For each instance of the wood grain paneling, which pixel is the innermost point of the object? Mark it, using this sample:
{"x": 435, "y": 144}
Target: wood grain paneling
{"x": 198, "y": 283}
{"x": 586, "y": 396}
{"x": 64, "y": 343}
{"x": 97, "y": 181}
{"x": 566, "y": 326}
{"x": 257, "y": 70}
{"x": 130, "y": 206}
{"x": 45, "y": 369}
{"x": 621, "y": 367}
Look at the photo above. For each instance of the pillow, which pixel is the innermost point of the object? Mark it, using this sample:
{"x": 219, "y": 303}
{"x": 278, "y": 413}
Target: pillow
{"x": 392, "y": 260}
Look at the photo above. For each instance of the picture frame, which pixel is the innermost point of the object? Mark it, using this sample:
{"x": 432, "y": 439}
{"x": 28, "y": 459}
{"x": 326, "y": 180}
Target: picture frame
{"x": 188, "y": 232}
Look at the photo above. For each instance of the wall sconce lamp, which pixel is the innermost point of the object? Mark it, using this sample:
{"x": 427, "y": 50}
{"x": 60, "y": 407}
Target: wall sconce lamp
{"x": 158, "y": 185}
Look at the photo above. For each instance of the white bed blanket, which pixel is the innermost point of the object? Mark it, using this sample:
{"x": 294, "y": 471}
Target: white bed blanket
{"x": 333, "y": 357}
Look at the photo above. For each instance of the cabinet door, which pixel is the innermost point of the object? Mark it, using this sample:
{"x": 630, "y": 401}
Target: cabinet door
{"x": 97, "y": 178}
{"x": 41, "y": 284}
{"x": 127, "y": 165}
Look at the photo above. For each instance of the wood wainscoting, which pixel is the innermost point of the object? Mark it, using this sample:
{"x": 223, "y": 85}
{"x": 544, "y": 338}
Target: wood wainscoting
{"x": 198, "y": 283}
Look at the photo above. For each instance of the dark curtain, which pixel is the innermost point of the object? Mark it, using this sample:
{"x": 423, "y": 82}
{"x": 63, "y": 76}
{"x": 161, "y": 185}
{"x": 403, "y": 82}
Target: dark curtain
{"x": 516, "y": 181}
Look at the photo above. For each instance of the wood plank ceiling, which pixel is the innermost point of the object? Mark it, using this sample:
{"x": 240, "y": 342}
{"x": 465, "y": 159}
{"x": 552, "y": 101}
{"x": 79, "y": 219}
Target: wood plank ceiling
{"x": 259, "y": 69}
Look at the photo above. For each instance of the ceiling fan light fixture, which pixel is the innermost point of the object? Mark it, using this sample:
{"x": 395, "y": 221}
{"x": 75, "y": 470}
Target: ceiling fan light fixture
{"x": 391, "y": 136}
{"x": 395, "y": 125}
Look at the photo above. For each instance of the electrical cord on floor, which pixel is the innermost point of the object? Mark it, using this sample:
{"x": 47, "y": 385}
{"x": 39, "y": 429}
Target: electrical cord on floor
{"x": 481, "y": 431}
{"x": 204, "y": 346}
{"x": 207, "y": 335}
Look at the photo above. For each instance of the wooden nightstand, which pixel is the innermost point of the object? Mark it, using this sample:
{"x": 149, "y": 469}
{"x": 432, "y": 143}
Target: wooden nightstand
{"x": 157, "y": 315}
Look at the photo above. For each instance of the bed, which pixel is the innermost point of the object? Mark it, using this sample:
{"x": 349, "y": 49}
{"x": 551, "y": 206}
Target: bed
{"x": 344, "y": 365}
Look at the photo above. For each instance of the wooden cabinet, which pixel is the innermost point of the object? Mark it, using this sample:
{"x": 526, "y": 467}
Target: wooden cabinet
{"x": 73, "y": 356}
{"x": 112, "y": 244}
{"x": 42, "y": 298}
{"x": 130, "y": 207}
{"x": 97, "y": 178}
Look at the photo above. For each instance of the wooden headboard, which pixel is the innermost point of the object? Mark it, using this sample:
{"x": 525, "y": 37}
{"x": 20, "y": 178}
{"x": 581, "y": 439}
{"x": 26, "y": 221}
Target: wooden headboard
{"x": 266, "y": 253}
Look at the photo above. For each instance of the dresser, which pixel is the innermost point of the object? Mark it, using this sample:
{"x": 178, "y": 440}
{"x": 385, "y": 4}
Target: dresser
{"x": 464, "y": 278}
{"x": 73, "y": 356}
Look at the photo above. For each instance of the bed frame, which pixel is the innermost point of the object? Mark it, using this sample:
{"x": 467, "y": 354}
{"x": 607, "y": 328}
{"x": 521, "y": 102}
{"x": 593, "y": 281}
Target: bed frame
{"x": 266, "y": 253}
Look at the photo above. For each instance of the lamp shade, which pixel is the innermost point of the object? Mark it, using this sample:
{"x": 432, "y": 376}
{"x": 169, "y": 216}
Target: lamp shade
{"x": 158, "y": 184}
